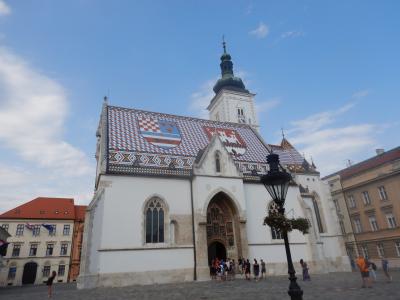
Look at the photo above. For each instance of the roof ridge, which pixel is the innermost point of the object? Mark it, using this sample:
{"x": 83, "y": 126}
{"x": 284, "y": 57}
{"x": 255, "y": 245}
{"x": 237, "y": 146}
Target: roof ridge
{"x": 376, "y": 156}
{"x": 184, "y": 117}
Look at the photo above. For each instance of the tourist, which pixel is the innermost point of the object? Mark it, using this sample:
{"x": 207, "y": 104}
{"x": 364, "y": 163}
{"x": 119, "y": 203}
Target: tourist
{"x": 385, "y": 268}
{"x": 306, "y": 275}
{"x": 212, "y": 269}
{"x": 247, "y": 269}
{"x": 244, "y": 264}
{"x": 372, "y": 268}
{"x": 256, "y": 269}
{"x": 233, "y": 269}
{"x": 49, "y": 283}
{"x": 363, "y": 267}
{"x": 263, "y": 269}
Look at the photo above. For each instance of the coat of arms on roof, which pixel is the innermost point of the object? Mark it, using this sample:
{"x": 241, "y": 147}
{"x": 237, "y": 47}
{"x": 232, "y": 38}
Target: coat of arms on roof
{"x": 232, "y": 141}
{"x": 161, "y": 133}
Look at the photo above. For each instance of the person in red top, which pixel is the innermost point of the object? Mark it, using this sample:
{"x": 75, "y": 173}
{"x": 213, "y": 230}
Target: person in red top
{"x": 363, "y": 266}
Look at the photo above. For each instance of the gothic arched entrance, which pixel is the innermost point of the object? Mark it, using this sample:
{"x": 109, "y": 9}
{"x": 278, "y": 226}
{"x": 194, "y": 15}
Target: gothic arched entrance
{"x": 29, "y": 275}
{"x": 223, "y": 230}
{"x": 216, "y": 250}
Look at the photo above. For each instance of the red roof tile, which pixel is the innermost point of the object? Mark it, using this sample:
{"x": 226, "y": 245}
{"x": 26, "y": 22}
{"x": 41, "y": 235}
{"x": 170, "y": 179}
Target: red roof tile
{"x": 43, "y": 208}
{"x": 373, "y": 162}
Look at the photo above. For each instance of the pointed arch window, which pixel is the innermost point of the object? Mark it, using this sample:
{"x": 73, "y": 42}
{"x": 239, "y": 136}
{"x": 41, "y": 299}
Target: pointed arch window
{"x": 276, "y": 234}
{"x": 154, "y": 214}
{"x": 217, "y": 162}
{"x": 318, "y": 215}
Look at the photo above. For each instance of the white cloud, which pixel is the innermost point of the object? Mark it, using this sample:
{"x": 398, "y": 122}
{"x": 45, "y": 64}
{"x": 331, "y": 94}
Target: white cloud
{"x": 292, "y": 34}
{"x": 329, "y": 144}
{"x": 266, "y": 106}
{"x": 33, "y": 112}
{"x": 360, "y": 94}
{"x": 200, "y": 99}
{"x": 4, "y": 8}
{"x": 261, "y": 31}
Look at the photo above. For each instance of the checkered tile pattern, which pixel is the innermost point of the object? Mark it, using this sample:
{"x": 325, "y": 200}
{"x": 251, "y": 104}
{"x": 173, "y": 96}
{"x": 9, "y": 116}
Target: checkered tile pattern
{"x": 148, "y": 124}
{"x": 124, "y": 136}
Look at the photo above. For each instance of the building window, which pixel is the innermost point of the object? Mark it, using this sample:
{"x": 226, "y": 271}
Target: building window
{"x": 16, "y": 250}
{"x": 337, "y": 207}
{"x": 155, "y": 221}
{"x": 391, "y": 220}
{"x": 53, "y": 230}
{"x": 20, "y": 230}
{"x": 64, "y": 249}
{"x": 382, "y": 193}
{"x": 373, "y": 223}
{"x": 217, "y": 163}
{"x": 49, "y": 249}
{"x": 61, "y": 270}
{"x": 276, "y": 234}
{"x": 397, "y": 246}
{"x": 66, "y": 230}
{"x": 357, "y": 225}
{"x": 11, "y": 273}
{"x": 364, "y": 250}
{"x": 5, "y": 227}
{"x": 46, "y": 271}
{"x": 366, "y": 198}
{"x": 351, "y": 201}
{"x": 33, "y": 250}
{"x": 241, "y": 117}
{"x": 317, "y": 215}
{"x": 36, "y": 230}
{"x": 342, "y": 228}
{"x": 381, "y": 250}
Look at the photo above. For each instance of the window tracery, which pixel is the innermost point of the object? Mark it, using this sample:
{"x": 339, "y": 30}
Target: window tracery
{"x": 154, "y": 216}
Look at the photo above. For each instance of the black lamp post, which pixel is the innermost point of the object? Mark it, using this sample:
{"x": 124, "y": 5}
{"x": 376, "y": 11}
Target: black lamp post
{"x": 277, "y": 183}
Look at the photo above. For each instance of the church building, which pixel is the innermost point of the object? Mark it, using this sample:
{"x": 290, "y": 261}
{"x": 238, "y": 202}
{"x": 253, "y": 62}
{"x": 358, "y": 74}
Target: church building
{"x": 174, "y": 192}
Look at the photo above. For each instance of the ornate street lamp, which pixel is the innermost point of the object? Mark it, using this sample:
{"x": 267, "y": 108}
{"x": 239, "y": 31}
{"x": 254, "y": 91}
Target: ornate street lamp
{"x": 277, "y": 183}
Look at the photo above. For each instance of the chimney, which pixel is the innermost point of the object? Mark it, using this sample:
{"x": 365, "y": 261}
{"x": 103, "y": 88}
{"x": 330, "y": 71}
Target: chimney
{"x": 379, "y": 151}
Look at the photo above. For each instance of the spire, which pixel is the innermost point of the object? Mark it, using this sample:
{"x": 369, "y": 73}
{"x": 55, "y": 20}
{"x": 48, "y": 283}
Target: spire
{"x": 228, "y": 80}
{"x": 224, "y": 44}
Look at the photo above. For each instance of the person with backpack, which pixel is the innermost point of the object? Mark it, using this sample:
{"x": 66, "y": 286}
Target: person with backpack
{"x": 362, "y": 264}
{"x": 372, "y": 268}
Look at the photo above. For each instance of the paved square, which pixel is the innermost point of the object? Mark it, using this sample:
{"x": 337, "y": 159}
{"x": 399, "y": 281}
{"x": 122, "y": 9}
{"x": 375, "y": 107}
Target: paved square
{"x": 328, "y": 286}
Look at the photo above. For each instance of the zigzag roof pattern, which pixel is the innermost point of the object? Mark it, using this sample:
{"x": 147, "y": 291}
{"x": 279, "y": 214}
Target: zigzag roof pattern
{"x": 156, "y": 143}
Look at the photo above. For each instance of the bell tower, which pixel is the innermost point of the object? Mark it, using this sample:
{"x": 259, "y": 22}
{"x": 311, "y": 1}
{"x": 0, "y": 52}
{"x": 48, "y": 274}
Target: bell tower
{"x": 232, "y": 101}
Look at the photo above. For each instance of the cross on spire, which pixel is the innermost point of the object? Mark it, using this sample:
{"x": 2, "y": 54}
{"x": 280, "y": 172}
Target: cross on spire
{"x": 223, "y": 43}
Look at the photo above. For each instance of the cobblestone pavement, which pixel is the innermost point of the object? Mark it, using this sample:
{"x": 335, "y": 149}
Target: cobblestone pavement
{"x": 328, "y": 286}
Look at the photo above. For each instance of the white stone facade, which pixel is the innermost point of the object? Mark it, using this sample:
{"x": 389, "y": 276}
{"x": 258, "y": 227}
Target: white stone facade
{"x": 115, "y": 251}
{"x": 42, "y": 258}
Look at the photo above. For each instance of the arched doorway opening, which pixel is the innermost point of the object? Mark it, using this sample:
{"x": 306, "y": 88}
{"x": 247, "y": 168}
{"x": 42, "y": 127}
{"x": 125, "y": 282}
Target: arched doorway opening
{"x": 29, "y": 275}
{"x": 216, "y": 250}
{"x": 223, "y": 229}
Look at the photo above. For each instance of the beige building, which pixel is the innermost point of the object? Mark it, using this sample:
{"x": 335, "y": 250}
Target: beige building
{"x": 367, "y": 200}
{"x": 40, "y": 243}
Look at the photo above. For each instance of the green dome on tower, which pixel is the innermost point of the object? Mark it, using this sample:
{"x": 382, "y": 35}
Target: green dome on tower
{"x": 228, "y": 80}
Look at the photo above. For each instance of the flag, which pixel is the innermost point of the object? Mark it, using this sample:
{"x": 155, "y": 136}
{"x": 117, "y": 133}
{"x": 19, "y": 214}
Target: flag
{"x": 30, "y": 226}
{"x": 49, "y": 227}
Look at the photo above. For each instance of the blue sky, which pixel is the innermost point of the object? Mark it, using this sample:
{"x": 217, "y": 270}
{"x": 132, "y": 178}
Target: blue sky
{"x": 327, "y": 72}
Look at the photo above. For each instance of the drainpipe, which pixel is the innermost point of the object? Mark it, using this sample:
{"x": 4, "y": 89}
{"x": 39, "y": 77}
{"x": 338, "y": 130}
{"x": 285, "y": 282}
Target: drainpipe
{"x": 193, "y": 231}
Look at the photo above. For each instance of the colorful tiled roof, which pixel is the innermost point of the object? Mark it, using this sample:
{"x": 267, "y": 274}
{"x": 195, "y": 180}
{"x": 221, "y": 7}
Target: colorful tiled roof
{"x": 43, "y": 208}
{"x": 145, "y": 142}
